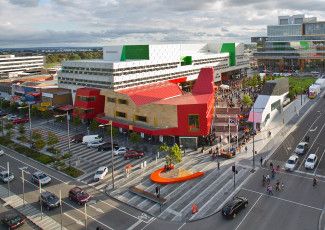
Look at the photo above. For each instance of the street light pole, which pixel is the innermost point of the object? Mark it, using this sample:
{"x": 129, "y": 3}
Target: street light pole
{"x": 86, "y": 216}
{"x": 40, "y": 194}
{"x": 253, "y": 138}
{"x": 23, "y": 180}
{"x": 61, "y": 209}
{"x": 8, "y": 179}
{"x": 68, "y": 118}
{"x": 30, "y": 126}
{"x": 112, "y": 151}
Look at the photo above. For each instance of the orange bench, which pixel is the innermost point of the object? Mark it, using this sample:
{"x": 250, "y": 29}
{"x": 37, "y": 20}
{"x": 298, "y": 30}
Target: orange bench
{"x": 156, "y": 178}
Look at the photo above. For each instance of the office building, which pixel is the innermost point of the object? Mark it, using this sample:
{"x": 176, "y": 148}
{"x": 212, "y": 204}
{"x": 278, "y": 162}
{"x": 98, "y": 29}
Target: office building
{"x": 295, "y": 43}
{"x": 11, "y": 66}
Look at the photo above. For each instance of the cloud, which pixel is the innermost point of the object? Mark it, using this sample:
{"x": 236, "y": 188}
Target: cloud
{"x": 62, "y": 22}
{"x": 25, "y": 3}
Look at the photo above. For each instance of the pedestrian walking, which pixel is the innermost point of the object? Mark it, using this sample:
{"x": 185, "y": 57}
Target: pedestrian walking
{"x": 267, "y": 178}
{"x": 261, "y": 161}
{"x": 277, "y": 186}
{"x": 246, "y": 149}
{"x": 271, "y": 165}
{"x": 269, "y": 189}
{"x": 314, "y": 182}
{"x": 273, "y": 174}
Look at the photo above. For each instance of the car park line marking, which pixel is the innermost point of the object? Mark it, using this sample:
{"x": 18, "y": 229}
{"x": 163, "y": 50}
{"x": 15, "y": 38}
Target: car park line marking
{"x": 66, "y": 183}
{"x": 97, "y": 209}
{"x": 282, "y": 199}
{"x": 181, "y": 226}
{"x": 313, "y": 130}
{"x": 74, "y": 209}
{"x": 249, "y": 211}
{"x": 75, "y": 220}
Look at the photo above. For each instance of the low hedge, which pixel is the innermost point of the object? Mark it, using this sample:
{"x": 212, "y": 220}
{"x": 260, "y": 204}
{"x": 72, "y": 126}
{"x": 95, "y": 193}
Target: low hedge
{"x": 40, "y": 157}
{"x": 71, "y": 171}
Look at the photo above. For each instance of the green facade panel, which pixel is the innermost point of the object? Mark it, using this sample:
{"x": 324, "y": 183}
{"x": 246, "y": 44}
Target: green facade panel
{"x": 187, "y": 60}
{"x": 135, "y": 52}
{"x": 231, "y": 49}
{"x": 304, "y": 44}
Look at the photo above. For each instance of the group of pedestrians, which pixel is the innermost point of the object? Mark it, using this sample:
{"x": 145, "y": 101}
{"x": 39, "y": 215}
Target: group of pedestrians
{"x": 278, "y": 186}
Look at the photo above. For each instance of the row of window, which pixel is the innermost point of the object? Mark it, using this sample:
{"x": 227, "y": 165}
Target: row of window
{"x": 86, "y": 99}
{"x": 136, "y": 117}
{"x": 78, "y": 80}
{"x": 83, "y": 111}
{"x": 19, "y": 59}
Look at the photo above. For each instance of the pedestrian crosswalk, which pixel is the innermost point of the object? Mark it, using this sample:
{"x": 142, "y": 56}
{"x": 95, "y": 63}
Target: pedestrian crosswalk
{"x": 33, "y": 214}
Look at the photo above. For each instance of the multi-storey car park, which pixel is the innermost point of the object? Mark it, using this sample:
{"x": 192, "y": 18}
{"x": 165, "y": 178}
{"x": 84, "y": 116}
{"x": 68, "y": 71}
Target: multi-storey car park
{"x": 296, "y": 43}
{"x": 11, "y": 64}
{"x": 133, "y": 65}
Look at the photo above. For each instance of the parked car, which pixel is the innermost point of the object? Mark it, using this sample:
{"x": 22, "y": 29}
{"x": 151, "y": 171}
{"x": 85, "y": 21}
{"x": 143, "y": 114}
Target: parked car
{"x": 107, "y": 146}
{"x": 302, "y": 148}
{"x": 94, "y": 144}
{"x": 2, "y": 152}
{"x": 11, "y": 117}
{"x": 133, "y": 154}
{"x": 311, "y": 161}
{"x": 291, "y": 163}
{"x": 3, "y": 113}
{"x": 232, "y": 208}
{"x": 77, "y": 138}
{"x": 121, "y": 150}
{"x": 78, "y": 195}
{"x": 91, "y": 138}
{"x": 49, "y": 200}
{"x": 6, "y": 177}
{"x": 100, "y": 173}
{"x": 20, "y": 120}
{"x": 13, "y": 221}
{"x": 40, "y": 178}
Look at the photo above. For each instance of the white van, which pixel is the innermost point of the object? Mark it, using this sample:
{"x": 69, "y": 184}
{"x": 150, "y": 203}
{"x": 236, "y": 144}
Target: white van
{"x": 91, "y": 138}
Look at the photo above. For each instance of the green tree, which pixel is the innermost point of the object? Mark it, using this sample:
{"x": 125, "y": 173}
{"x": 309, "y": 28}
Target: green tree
{"x": 52, "y": 139}
{"x": 254, "y": 81}
{"x": 135, "y": 138}
{"x": 93, "y": 125}
{"x": 36, "y": 135}
{"x": 247, "y": 100}
{"x": 39, "y": 144}
{"x": 76, "y": 121}
{"x": 174, "y": 153}
{"x": 22, "y": 129}
{"x": 114, "y": 131}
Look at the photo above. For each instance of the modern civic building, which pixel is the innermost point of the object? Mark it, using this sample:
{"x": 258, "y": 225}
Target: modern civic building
{"x": 126, "y": 66}
{"x": 11, "y": 65}
{"x": 295, "y": 43}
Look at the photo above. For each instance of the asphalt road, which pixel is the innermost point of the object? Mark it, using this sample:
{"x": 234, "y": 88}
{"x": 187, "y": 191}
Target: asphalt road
{"x": 101, "y": 211}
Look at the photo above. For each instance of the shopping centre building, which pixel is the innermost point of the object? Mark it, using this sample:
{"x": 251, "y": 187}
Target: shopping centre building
{"x": 138, "y": 87}
{"x": 295, "y": 43}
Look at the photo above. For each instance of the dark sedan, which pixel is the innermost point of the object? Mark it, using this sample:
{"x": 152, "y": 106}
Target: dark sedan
{"x": 13, "y": 221}
{"x": 232, "y": 208}
{"x": 78, "y": 195}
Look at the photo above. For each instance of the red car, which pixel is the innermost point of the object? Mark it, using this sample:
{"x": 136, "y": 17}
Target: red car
{"x": 133, "y": 154}
{"x": 20, "y": 120}
{"x": 78, "y": 195}
{"x": 13, "y": 221}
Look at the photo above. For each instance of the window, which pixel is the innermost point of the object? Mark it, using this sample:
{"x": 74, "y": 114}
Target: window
{"x": 120, "y": 114}
{"x": 140, "y": 118}
{"x": 276, "y": 105}
{"x": 193, "y": 123}
{"x": 122, "y": 101}
{"x": 267, "y": 118}
{"x": 110, "y": 99}
{"x": 86, "y": 99}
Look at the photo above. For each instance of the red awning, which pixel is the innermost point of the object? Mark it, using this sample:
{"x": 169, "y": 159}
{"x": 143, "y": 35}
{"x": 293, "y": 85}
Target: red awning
{"x": 256, "y": 117}
{"x": 178, "y": 80}
{"x": 66, "y": 108}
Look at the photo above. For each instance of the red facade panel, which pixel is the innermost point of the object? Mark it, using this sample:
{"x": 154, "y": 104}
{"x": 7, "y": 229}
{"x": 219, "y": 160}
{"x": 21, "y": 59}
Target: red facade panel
{"x": 87, "y": 108}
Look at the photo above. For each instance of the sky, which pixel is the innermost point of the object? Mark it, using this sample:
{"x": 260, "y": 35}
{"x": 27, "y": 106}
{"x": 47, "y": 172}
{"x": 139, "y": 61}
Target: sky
{"x": 39, "y": 23}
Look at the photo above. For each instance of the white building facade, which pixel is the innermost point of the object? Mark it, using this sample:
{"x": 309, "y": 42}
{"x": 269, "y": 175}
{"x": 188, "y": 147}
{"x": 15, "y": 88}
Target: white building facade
{"x": 131, "y": 65}
{"x": 10, "y": 64}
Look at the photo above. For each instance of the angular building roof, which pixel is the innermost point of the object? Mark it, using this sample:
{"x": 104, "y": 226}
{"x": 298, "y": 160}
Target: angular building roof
{"x": 278, "y": 86}
{"x": 150, "y": 93}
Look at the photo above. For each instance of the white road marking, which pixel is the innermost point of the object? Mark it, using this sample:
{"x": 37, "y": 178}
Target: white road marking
{"x": 2, "y": 167}
{"x": 133, "y": 226}
{"x": 320, "y": 160}
{"x": 75, "y": 220}
{"x": 97, "y": 209}
{"x": 313, "y": 130}
{"x": 248, "y": 212}
{"x": 286, "y": 200}
{"x": 181, "y": 226}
